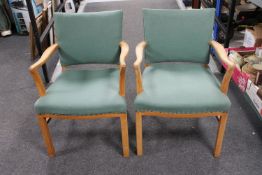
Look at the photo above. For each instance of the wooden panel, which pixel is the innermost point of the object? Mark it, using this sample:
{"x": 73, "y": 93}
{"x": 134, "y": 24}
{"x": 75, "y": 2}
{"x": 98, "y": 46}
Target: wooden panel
{"x": 222, "y": 119}
{"x": 220, "y": 135}
{"x": 173, "y": 115}
{"x": 81, "y": 117}
{"x": 222, "y": 55}
{"x": 34, "y": 68}
{"x": 122, "y": 81}
{"x": 47, "y": 136}
{"x": 139, "y": 135}
{"x": 124, "y": 132}
{"x": 137, "y": 64}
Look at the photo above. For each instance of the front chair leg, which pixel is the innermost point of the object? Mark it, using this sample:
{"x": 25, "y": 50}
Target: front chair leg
{"x": 220, "y": 134}
{"x": 46, "y": 136}
{"x": 139, "y": 137}
{"x": 124, "y": 132}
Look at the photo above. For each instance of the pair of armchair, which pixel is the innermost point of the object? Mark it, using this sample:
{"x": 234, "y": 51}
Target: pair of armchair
{"x": 186, "y": 89}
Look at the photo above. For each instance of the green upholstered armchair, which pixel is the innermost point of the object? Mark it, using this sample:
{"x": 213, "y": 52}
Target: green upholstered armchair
{"x": 187, "y": 88}
{"x": 85, "y": 94}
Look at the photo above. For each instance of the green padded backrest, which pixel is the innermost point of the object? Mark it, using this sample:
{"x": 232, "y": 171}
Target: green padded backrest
{"x": 178, "y": 35}
{"x": 89, "y": 37}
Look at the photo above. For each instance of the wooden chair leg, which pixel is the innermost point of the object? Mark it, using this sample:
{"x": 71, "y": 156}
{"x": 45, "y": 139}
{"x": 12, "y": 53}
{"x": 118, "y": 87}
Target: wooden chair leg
{"x": 46, "y": 136}
{"x": 220, "y": 135}
{"x": 139, "y": 137}
{"x": 124, "y": 131}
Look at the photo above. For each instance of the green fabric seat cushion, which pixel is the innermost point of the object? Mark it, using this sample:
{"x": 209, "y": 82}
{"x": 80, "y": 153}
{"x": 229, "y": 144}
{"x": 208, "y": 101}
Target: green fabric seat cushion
{"x": 83, "y": 92}
{"x": 180, "y": 88}
{"x": 92, "y": 37}
{"x": 178, "y": 35}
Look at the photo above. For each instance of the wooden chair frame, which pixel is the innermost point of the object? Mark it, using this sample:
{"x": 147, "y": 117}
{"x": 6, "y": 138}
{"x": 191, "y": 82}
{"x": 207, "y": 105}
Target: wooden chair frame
{"x": 43, "y": 118}
{"x": 221, "y": 116}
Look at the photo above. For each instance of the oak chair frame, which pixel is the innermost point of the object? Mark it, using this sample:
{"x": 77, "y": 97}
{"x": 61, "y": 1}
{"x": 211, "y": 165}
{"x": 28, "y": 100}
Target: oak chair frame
{"x": 221, "y": 116}
{"x": 43, "y": 118}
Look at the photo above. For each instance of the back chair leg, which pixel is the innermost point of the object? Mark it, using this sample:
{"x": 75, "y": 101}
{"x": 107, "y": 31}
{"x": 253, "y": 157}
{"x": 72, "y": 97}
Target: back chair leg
{"x": 124, "y": 131}
{"x": 139, "y": 137}
{"x": 220, "y": 134}
{"x": 46, "y": 136}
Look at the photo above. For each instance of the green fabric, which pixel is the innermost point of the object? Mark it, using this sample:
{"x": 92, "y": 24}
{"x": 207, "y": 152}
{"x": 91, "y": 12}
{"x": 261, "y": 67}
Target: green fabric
{"x": 89, "y": 37}
{"x": 178, "y": 35}
{"x": 180, "y": 88}
{"x": 83, "y": 92}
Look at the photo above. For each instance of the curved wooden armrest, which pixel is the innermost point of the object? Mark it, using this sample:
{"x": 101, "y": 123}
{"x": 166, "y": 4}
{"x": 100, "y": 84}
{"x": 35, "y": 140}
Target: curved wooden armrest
{"x": 124, "y": 52}
{"x": 222, "y": 55}
{"x": 139, "y": 58}
{"x": 45, "y": 57}
{"x": 33, "y": 69}
{"x": 139, "y": 53}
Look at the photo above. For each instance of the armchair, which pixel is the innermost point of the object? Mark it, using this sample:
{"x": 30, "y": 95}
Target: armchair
{"x": 186, "y": 88}
{"x": 84, "y": 94}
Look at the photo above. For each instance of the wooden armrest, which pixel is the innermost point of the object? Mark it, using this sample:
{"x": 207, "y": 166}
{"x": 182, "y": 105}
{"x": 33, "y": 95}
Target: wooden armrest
{"x": 139, "y": 58}
{"x": 45, "y": 57}
{"x": 139, "y": 53}
{"x": 222, "y": 55}
{"x": 34, "y": 68}
{"x": 124, "y": 52}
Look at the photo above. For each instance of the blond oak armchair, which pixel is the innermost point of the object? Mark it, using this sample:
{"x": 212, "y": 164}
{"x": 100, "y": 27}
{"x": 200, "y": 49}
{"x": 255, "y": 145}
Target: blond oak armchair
{"x": 164, "y": 89}
{"x": 83, "y": 94}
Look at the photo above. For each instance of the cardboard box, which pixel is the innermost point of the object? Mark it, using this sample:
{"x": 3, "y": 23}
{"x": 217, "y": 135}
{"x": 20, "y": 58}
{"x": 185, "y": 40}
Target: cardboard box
{"x": 240, "y": 78}
{"x": 253, "y": 36}
{"x": 21, "y": 16}
{"x": 251, "y": 91}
